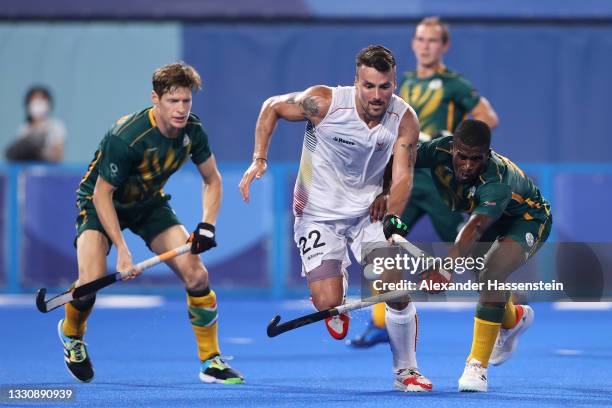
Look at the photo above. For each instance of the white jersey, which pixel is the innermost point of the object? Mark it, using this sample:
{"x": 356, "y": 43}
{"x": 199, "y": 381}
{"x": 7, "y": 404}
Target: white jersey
{"x": 343, "y": 161}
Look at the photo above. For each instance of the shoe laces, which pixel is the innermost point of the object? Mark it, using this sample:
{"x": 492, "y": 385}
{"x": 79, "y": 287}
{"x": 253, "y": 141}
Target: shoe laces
{"x": 408, "y": 372}
{"x": 77, "y": 349}
{"x": 219, "y": 361}
{"x": 475, "y": 366}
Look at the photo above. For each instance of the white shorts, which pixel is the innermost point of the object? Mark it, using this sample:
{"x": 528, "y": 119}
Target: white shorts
{"x": 322, "y": 240}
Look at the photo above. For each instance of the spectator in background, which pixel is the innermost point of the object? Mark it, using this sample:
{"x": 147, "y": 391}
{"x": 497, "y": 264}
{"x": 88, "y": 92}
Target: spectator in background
{"x": 41, "y": 138}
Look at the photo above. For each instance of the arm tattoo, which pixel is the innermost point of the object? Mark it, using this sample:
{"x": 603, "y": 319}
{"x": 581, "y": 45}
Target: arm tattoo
{"x": 410, "y": 148}
{"x": 291, "y": 99}
{"x": 309, "y": 106}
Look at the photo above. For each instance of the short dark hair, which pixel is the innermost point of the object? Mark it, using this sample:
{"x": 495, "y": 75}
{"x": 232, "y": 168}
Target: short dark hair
{"x": 436, "y": 21}
{"x": 377, "y": 57}
{"x": 38, "y": 89}
{"x": 473, "y": 133}
{"x": 33, "y": 90}
{"x": 177, "y": 75}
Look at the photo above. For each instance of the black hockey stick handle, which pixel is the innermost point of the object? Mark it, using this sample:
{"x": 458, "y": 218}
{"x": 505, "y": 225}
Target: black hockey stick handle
{"x": 45, "y": 306}
{"x": 96, "y": 285}
{"x": 274, "y": 329}
{"x": 91, "y": 287}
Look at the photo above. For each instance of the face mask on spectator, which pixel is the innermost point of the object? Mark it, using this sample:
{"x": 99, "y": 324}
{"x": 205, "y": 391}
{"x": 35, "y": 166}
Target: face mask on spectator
{"x": 38, "y": 108}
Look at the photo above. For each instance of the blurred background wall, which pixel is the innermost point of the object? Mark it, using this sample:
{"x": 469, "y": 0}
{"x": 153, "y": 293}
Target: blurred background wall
{"x": 544, "y": 66}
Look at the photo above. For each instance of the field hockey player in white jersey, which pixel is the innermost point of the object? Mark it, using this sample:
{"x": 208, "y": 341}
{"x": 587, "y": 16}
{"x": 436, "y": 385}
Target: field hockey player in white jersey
{"x": 351, "y": 133}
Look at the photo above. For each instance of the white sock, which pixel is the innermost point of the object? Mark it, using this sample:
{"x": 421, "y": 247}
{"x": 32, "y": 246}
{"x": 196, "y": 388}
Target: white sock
{"x": 402, "y": 329}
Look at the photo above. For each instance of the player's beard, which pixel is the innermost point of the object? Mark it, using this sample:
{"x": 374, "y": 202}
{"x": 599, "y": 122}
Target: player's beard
{"x": 375, "y": 116}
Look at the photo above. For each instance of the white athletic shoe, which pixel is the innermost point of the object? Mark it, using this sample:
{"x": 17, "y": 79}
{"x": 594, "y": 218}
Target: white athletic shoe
{"x": 474, "y": 378}
{"x": 411, "y": 380}
{"x": 507, "y": 339}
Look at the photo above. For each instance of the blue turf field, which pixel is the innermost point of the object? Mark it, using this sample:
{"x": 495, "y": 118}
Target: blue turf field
{"x": 147, "y": 358}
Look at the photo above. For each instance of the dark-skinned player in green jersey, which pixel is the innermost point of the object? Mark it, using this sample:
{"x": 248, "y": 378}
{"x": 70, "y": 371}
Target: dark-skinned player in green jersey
{"x": 441, "y": 99}
{"x": 123, "y": 188}
{"x": 508, "y": 222}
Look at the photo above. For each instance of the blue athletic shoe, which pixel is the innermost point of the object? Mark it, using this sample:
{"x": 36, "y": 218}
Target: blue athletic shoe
{"x": 372, "y": 336}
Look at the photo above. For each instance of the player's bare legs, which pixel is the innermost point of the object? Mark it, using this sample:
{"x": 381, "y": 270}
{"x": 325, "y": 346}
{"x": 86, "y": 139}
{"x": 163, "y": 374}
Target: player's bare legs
{"x": 92, "y": 247}
{"x": 202, "y": 306}
{"x": 504, "y": 257}
{"x": 327, "y": 290}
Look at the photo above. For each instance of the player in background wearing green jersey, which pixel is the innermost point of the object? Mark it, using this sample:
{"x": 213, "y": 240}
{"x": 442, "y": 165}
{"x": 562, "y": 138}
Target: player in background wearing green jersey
{"x": 441, "y": 98}
{"x": 123, "y": 188}
{"x": 508, "y": 221}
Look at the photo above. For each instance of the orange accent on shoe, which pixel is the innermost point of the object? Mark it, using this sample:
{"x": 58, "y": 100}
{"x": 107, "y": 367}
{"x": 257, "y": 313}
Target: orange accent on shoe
{"x": 519, "y": 313}
{"x": 413, "y": 380}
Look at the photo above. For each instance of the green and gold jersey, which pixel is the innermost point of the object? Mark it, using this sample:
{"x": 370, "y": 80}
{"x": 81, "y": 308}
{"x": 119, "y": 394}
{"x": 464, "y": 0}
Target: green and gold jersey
{"x": 137, "y": 159}
{"x": 440, "y": 101}
{"x": 501, "y": 191}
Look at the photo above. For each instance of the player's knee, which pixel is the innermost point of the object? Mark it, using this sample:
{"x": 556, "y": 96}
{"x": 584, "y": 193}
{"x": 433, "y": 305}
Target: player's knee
{"x": 84, "y": 303}
{"x": 326, "y": 285}
{"x": 326, "y": 299}
{"x": 196, "y": 277}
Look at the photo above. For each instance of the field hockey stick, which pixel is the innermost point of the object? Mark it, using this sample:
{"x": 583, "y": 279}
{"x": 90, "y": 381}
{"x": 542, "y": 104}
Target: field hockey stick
{"x": 47, "y": 305}
{"x": 274, "y": 329}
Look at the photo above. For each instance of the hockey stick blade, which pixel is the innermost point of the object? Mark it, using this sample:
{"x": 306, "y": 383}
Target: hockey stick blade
{"x": 274, "y": 329}
{"x": 45, "y": 306}
{"x": 40, "y": 300}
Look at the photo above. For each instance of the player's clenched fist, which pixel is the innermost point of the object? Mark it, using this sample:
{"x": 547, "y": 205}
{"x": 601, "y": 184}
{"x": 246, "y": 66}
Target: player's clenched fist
{"x": 392, "y": 224}
{"x": 203, "y": 238}
{"x": 255, "y": 170}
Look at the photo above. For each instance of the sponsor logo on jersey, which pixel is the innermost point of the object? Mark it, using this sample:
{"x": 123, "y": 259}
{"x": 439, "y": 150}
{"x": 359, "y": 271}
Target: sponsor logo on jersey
{"x": 435, "y": 84}
{"x": 341, "y": 140}
{"x": 489, "y": 203}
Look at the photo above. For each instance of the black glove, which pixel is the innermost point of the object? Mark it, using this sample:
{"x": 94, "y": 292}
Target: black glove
{"x": 392, "y": 224}
{"x": 203, "y": 238}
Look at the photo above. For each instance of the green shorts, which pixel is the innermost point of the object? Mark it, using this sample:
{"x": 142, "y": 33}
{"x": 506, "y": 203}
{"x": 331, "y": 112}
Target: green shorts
{"x": 147, "y": 223}
{"x": 426, "y": 200}
{"x": 529, "y": 234}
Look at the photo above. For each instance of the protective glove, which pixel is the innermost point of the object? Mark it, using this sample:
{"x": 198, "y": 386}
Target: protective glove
{"x": 392, "y": 224}
{"x": 203, "y": 238}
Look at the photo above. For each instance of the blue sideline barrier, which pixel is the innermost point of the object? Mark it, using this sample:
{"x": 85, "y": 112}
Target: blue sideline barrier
{"x": 38, "y": 245}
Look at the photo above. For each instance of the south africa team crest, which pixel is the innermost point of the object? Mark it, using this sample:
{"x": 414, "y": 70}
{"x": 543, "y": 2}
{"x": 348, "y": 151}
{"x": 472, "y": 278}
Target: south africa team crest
{"x": 435, "y": 84}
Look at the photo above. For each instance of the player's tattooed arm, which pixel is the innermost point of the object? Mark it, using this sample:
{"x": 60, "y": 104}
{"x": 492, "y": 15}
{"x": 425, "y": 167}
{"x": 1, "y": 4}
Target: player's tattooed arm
{"x": 404, "y": 157}
{"x": 411, "y": 152}
{"x": 307, "y": 103}
{"x": 311, "y": 104}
